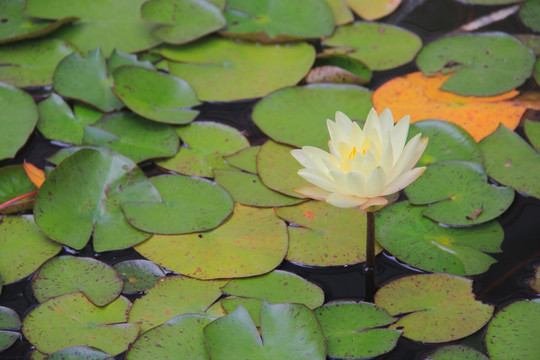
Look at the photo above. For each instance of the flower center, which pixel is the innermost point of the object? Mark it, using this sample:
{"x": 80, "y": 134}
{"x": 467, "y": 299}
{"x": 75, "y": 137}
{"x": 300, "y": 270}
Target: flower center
{"x": 353, "y": 153}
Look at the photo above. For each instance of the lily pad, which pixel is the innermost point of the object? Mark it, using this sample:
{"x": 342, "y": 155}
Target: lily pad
{"x": 173, "y": 296}
{"x": 353, "y": 330}
{"x": 138, "y": 275}
{"x": 23, "y": 248}
{"x": 245, "y": 159}
{"x": 205, "y": 145}
{"x": 529, "y": 13}
{"x": 340, "y": 69}
{"x": 15, "y": 182}
{"x": 82, "y": 196}
{"x": 513, "y": 332}
{"x": 297, "y": 116}
{"x": 272, "y": 21}
{"x": 132, "y": 136}
{"x": 373, "y": 9}
{"x": 32, "y": 63}
{"x": 379, "y": 46}
{"x": 188, "y": 205}
{"x": 119, "y": 58}
{"x": 416, "y": 240}
{"x": 154, "y": 95}
{"x": 95, "y": 279}
{"x": 9, "y": 320}
{"x": 18, "y": 117}
{"x": 72, "y": 320}
{"x": 534, "y": 282}
{"x": 509, "y": 160}
{"x": 437, "y": 307}
{"x": 289, "y": 331}
{"x": 456, "y": 352}
{"x": 179, "y": 338}
{"x": 483, "y": 64}
{"x": 342, "y": 14}
{"x": 223, "y": 70}
{"x": 79, "y": 352}
{"x": 459, "y": 194}
{"x": 86, "y": 79}
{"x": 252, "y": 241}
{"x": 182, "y": 21}
{"x": 536, "y": 71}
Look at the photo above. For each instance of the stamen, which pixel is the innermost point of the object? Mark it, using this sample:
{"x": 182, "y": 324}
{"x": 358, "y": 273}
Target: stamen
{"x": 353, "y": 153}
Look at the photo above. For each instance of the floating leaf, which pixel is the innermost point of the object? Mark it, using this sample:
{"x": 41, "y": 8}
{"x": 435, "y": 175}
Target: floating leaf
{"x": 342, "y": 14}
{"x": 437, "y": 307}
{"x": 529, "y": 13}
{"x": 252, "y": 241}
{"x": 223, "y": 70}
{"x": 373, "y": 9}
{"x": 340, "y": 69}
{"x": 534, "y": 282}
{"x": 79, "y": 352}
{"x": 81, "y": 197}
{"x": 297, "y": 116}
{"x": 509, "y": 160}
{"x": 536, "y": 71}
{"x": 15, "y": 182}
{"x": 530, "y": 40}
{"x": 138, "y": 275}
{"x": 119, "y": 58}
{"x": 456, "y": 352}
{"x": 245, "y": 159}
{"x": 9, "y": 320}
{"x": 482, "y": 64}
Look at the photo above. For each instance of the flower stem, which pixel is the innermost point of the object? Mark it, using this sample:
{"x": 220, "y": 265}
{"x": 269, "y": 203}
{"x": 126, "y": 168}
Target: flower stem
{"x": 9, "y": 202}
{"x": 370, "y": 257}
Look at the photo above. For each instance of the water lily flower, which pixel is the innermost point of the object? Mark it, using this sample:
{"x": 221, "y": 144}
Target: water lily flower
{"x": 364, "y": 165}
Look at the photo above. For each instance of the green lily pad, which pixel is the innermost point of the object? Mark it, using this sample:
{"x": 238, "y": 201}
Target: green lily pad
{"x": 23, "y": 248}
{"x": 247, "y": 189}
{"x": 513, "y": 332}
{"x": 340, "y": 69}
{"x": 82, "y": 196}
{"x": 529, "y": 13}
{"x": 252, "y": 241}
{"x": 509, "y": 160}
{"x": 138, "y": 275}
{"x": 183, "y": 20}
{"x": 119, "y": 58}
{"x": 373, "y": 9}
{"x": 379, "y": 46}
{"x": 15, "y": 182}
{"x": 79, "y": 352}
{"x": 353, "y": 330}
{"x": 132, "y": 136}
{"x": 297, "y": 116}
{"x": 95, "y": 279}
{"x": 416, "y": 240}
{"x": 289, "y": 331}
{"x": 188, "y": 205}
{"x": 341, "y": 12}
{"x": 459, "y": 194}
{"x": 32, "y": 63}
{"x": 72, "y": 320}
{"x": 18, "y": 118}
{"x": 85, "y": 79}
{"x": 105, "y": 24}
{"x": 8, "y": 338}
{"x": 173, "y": 296}
{"x": 272, "y": 21}
{"x": 205, "y": 145}
{"x": 154, "y": 95}
{"x": 447, "y": 142}
{"x": 456, "y": 352}
{"x": 321, "y": 224}
{"x": 9, "y": 320}
{"x": 536, "y": 71}
{"x": 179, "y": 338}
{"x": 437, "y": 307}
{"x": 223, "y": 70}
{"x": 484, "y": 63}
{"x": 530, "y": 40}
{"x": 245, "y": 159}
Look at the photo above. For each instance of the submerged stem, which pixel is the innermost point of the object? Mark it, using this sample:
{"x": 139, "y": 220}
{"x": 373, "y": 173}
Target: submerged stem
{"x": 370, "y": 257}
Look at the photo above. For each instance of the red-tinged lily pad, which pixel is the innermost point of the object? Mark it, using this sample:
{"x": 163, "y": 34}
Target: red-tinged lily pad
{"x": 9, "y": 321}
{"x": 509, "y": 160}
{"x": 436, "y": 307}
{"x": 416, "y": 240}
{"x": 23, "y": 248}
{"x": 81, "y": 197}
{"x": 288, "y": 331}
{"x": 79, "y": 352}
{"x": 72, "y": 320}
{"x": 138, "y": 275}
{"x": 456, "y": 352}
{"x": 458, "y": 194}
{"x": 529, "y": 13}
{"x": 188, "y": 205}
{"x": 15, "y": 182}
{"x": 173, "y": 296}
{"x": 98, "y": 281}
{"x": 373, "y": 9}
{"x": 353, "y": 330}
{"x": 245, "y": 159}
{"x": 179, "y": 338}
{"x": 252, "y": 241}
{"x": 513, "y": 332}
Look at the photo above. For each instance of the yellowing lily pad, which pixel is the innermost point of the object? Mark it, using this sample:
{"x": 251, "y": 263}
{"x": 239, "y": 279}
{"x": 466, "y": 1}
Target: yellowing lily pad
{"x": 342, "y": 14}
{"x": 138, "y": 275}
{"x": 436, "y": 307}
{"x": 373, "y": 9}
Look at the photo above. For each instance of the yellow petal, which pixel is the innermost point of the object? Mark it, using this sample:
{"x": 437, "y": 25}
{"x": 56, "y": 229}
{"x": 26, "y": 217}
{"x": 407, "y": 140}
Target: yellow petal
{"x": 376, "y": 201}
{"x": 405, "y": 158}
{"x": 345, "y": 201}
{"x": 403, "y": 180}
{"x": 399, "y": 136}
{"x": 387, "y": 123}
{"x": 318, "y": 179}
{"x": 313, "y": 192}
{"x": 375, "y": 182}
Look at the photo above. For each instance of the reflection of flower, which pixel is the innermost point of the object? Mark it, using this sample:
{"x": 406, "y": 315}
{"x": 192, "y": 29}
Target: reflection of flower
{"x": 364, "y": 165}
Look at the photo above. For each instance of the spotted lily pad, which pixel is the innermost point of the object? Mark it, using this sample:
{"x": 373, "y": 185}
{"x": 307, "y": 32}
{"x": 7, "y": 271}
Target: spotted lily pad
{"x": 154, "y": 95}
{"x": 188, "y": 205}
{"x": 245, "y": 159}
{"x": 353, "y": 330}
{"x": 95, "y": 279}
{"x": 416, "y": 240}
{"x": 373, "y": 9}
{"x": 289, "y": 331}
{"x": 484, "y": 63}
{"x": 456, "y": 352}
{"x": 72, "y": 320}
{"x": 458, "y": 194}
{"x": 9, "y": 321}
{"x": 82, "y": 196}
{"x": 437, "y": 307}
{"x": 529, "y": 13}
{"x": 297, "y": 116}
{"x": 138, "y": 275}
{"x": 23, "y": 248}
{"x": 223, "y": 70}
{"x": 509, "y": 160}
{"x": 252, "y": 241}
{"x": 15, "y": 182}
{"x": 79, "y": 352}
